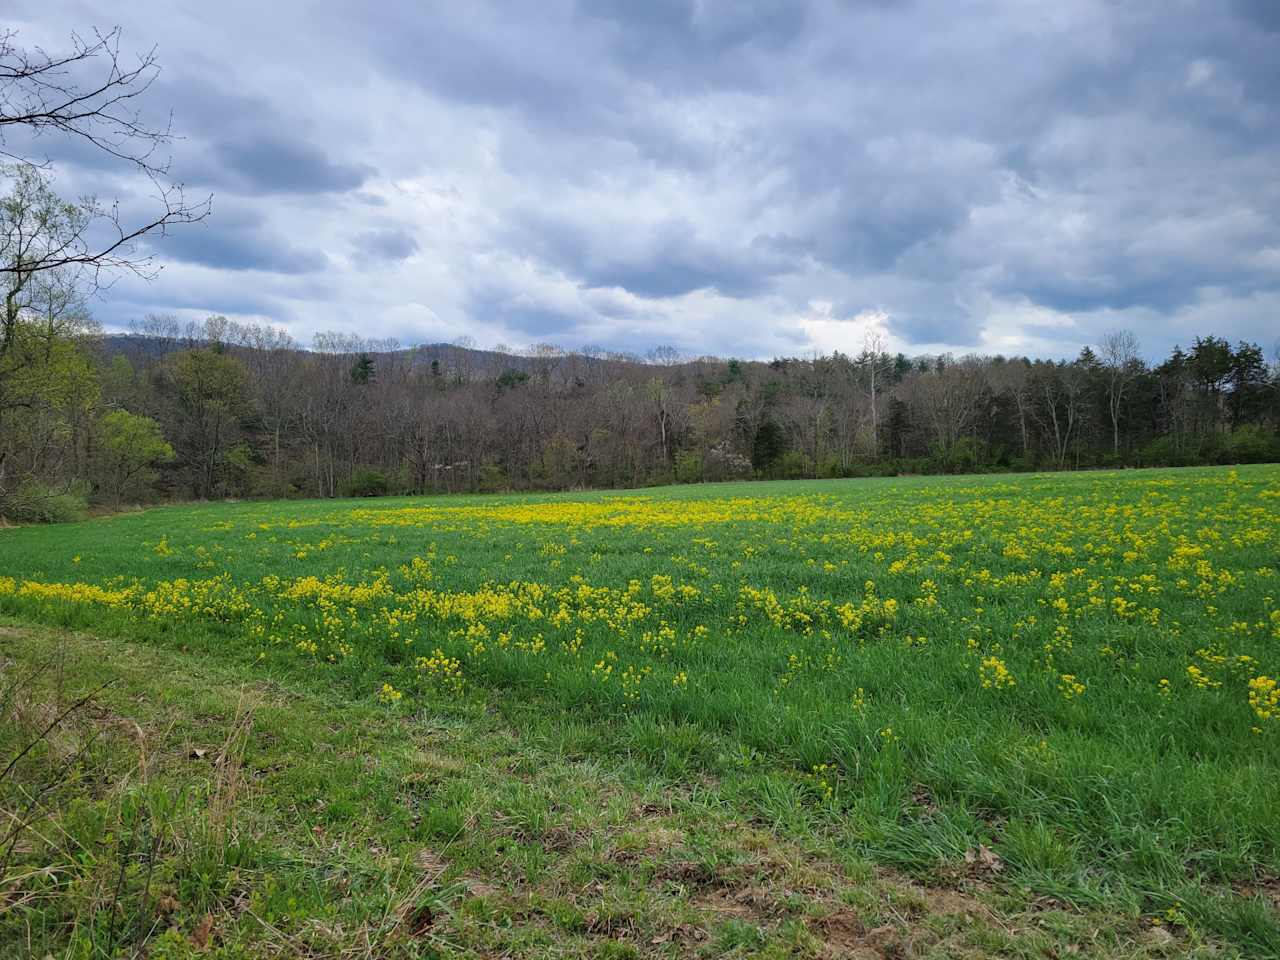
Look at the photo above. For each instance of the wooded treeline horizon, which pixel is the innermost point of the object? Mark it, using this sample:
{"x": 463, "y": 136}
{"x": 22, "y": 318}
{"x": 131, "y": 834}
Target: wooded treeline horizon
{"x": 221, "y": 409}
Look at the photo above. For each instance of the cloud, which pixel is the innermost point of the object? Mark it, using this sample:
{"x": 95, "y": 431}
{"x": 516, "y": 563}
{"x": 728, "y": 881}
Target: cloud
{"x": 848, "y": 335}
{"x": 654, "y": 257}
{"x": 270, "y": 165}
{"x": 236, "y": 241}
{"x": 998, "y": 175}
{"x": 388, "y": 244}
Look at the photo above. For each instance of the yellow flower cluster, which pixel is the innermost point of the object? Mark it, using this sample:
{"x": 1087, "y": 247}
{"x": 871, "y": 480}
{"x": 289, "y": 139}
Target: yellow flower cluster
{"x": 607, "y": 512}
{"x": 1201, "y": 679}
{"x": 1264, "y": 698}
{"x": 995, "y": 674}
{"x": 823, "y": 776}
{"x": 442, "y": 670}
{"x": 1070, "y": 687}
{"x": 71, "y": 592}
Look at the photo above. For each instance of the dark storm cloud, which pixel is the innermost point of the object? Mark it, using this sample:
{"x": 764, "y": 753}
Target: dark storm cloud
{"x": 516, "y": 311}
{"x": 483, "y": 55}
{"x": 1262, "y": 13}
{"x": 388, "y": 244}
{"x": 712, "y": 172}
{"x": 666, "y": 258}
{"x": 271, "y": 165}
{"x": 940, "y": 325}
{"x": 237, "y": 241}
{"x": 679, "y": 43}
{"x": 250, "y": 145}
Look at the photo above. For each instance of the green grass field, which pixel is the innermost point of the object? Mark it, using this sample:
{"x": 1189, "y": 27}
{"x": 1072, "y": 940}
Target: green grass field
{"x": 1019, "y": 716}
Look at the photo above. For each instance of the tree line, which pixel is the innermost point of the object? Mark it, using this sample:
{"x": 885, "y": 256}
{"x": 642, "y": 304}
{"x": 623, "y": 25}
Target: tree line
{"x": 222, "y": 409}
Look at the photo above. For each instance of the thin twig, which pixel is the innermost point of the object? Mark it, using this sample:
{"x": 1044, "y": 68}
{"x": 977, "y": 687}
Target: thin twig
{"x": 57, "y": 720}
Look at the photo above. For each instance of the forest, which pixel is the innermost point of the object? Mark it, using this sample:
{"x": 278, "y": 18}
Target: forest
{"x": 221, "y": 409}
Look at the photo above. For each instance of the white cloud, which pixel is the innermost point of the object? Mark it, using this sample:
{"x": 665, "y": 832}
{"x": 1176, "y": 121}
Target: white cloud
{"x": 849, "y": 335}
{"x": 1199, "y": 73}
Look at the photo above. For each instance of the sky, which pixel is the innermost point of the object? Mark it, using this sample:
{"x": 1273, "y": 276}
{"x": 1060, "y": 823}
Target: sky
{"x": 749, "y": 179}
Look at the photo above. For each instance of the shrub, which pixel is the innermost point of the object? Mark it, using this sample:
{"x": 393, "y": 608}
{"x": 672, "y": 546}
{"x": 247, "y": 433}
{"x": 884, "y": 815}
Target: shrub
{"x": 689, "y": 467}
{"x": 557, "y": 468}
{"x": 492, "y": 477}
{"x": 34, "y": 502}
{"x": 367, "y": 483}
{"x": 401, "y": 482}
{"x": 1252, "y": 444}
{"x": 963, "y": 457}
{"x": 511, "y": 378}
{"x": 721, "y": 463}
{"x": 828, "y": 467}
{"x": 1162, "y": 452}
{"x": 792, "y": 465}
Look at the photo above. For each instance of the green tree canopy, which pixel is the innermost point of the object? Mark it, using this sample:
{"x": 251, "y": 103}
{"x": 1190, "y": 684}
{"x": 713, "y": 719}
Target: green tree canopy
{"x": 129, "y": 446}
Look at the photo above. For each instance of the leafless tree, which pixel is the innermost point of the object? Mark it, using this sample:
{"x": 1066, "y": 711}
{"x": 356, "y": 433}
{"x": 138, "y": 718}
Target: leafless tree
{"x": 1011, "y": 379}
{"x": 1121, "y": 364}
{"x": 90, "y": 93}
{"x": 875, "y": 363}
{"x": 659, "y": 394}
{"x": 664, "y": 356}
{"x": 948, "y": 397}
{"x": 808, "y": 413}
{"x": 1061, "y": 405}
{"x": 545, "y": 359}
{"x": 848, "y": 412}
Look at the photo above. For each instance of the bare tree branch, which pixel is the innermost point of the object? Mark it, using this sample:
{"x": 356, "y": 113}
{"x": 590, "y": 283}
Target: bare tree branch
{"x": 44, "y": 93}
{"x": 88, "y": 94}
